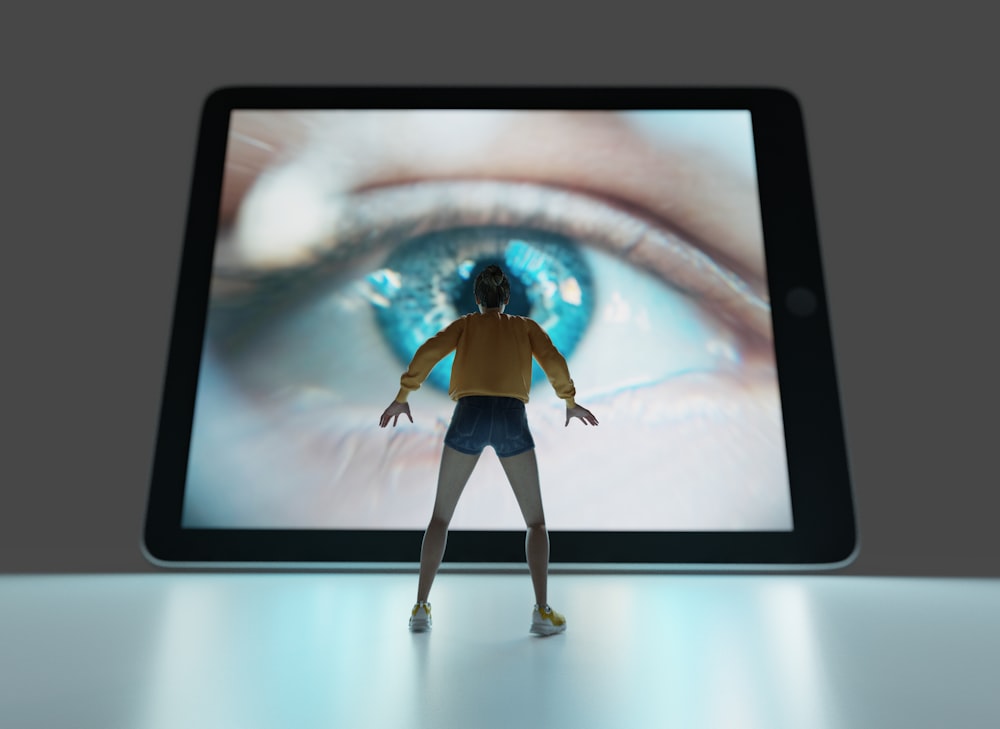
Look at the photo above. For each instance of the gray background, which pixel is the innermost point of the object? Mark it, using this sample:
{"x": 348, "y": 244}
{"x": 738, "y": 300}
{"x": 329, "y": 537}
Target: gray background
{"x": 100, "y": 112}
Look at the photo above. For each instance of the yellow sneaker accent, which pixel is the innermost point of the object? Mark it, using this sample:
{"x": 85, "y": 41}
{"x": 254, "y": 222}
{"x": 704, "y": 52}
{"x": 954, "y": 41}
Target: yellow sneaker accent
{"x": 546, "y": 621}
{"x": 420, "y": 617}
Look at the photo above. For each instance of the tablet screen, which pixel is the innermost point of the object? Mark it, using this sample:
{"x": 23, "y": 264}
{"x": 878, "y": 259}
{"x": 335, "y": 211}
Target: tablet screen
{"x": 663, "y": 239}
{"x": 347, "y": 237}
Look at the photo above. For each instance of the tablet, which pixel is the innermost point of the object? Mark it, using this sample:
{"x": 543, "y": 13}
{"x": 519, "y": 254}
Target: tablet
{"x": 663, "y": 238}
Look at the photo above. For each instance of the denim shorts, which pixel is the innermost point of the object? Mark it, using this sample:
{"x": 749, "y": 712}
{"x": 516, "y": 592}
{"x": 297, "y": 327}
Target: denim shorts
{"x": 481, "y": 421}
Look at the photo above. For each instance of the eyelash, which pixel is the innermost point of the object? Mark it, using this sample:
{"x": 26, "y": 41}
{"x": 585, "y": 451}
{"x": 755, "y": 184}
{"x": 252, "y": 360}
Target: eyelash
{"x": 369, "y": 219}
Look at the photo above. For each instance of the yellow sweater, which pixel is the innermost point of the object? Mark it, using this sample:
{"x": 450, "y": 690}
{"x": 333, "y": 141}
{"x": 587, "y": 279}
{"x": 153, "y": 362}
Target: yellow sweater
{"x": 493, "y": 354}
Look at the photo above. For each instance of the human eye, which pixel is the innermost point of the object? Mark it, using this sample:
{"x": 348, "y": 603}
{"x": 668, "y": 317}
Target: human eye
{"x": 312, "y": 333}
{"x": 590, "y": 272}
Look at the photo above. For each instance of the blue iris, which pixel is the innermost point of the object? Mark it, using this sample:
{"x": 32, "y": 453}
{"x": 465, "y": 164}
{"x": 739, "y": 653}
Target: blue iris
{"x": 426, "y": 283}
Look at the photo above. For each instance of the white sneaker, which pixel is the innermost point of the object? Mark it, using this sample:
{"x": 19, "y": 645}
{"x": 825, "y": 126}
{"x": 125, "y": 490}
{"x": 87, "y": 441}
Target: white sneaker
{"x": 546, "y": 621}
{"x": 420, "y": 617}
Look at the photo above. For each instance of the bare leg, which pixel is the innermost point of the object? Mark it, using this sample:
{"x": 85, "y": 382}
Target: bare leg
{"x": 522, "y": 472}
{"x": 456, "y": 467}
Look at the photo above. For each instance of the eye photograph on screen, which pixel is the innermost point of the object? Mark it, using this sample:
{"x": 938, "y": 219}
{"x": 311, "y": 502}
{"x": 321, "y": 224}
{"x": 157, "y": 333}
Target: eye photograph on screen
{"x": 578, "y": 295}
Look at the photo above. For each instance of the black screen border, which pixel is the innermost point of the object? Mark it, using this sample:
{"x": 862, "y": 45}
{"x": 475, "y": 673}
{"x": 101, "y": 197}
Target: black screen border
{"x": 824, "y": 530}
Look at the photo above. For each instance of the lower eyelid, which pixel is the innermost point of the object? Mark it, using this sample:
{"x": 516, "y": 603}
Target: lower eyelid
{"x": 363, "y": 221}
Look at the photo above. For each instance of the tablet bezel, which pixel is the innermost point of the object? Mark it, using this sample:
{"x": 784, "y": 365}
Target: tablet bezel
{"x": 824, "y": 530}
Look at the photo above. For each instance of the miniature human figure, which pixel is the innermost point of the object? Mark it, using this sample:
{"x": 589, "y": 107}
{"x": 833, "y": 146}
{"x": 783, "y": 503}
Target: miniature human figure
{"x": 490, "y": 380}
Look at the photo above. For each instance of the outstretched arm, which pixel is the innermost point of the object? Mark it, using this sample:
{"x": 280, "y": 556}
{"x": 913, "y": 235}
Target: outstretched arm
{"x": 555, "y": 367}
{"x": 429, "y": 354}
{"x": 552, "y": 362}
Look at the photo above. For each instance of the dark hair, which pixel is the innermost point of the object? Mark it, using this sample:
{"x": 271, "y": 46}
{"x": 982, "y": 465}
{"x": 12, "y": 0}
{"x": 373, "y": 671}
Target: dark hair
{"x": 492, "y": 287}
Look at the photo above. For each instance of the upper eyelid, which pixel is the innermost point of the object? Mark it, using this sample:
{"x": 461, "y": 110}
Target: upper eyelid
{"x": 366, "y": 219}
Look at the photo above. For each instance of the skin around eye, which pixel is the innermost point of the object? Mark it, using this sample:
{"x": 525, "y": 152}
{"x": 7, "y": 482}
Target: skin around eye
{"x": 704, "y": 451}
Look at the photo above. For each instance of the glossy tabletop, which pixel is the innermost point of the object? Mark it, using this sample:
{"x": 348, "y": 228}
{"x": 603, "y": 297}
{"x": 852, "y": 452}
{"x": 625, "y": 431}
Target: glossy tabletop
{"x": 326, "y": 650}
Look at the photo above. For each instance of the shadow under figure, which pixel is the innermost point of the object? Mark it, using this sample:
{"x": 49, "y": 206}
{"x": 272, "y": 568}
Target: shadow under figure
{"x": 490, "y": 380}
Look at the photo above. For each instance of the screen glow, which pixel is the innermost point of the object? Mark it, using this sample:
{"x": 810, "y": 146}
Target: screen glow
{"x": 347, "y": 238}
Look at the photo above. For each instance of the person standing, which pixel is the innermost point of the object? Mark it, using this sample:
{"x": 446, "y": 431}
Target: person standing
{"x": 490, "y": 380}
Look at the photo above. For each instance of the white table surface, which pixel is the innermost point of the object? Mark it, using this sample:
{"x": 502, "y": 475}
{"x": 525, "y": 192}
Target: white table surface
{"x": 302, "y": 650}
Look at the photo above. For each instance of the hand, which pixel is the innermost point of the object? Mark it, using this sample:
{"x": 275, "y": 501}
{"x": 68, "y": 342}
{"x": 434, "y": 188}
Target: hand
{"x": 393, "y": 412}
{"x": 580, "y": 412}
